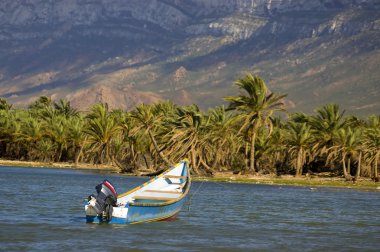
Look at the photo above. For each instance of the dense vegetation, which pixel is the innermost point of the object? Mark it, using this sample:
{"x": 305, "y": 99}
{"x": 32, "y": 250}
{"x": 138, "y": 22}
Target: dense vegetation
{"x": 245, "y": 137}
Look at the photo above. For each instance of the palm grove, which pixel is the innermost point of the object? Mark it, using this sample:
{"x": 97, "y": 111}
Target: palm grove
{"x": 244, "y": 137}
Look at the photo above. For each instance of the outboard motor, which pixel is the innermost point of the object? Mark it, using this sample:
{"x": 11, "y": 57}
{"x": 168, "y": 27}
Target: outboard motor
{"x": 106, "y": 199}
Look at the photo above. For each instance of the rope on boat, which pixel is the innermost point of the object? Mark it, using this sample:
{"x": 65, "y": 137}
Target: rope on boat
{"x": 193, "y": 194}
{"x": 189, "y": 201}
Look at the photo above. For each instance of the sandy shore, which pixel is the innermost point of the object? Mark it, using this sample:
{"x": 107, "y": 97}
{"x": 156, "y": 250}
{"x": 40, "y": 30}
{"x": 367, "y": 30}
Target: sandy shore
{"x": 316, "y": 180}
{"x": 58, "y": 165}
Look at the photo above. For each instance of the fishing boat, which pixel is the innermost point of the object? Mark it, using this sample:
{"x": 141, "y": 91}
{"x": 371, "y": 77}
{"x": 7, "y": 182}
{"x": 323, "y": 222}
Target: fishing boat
{"x": 160, "y": 198}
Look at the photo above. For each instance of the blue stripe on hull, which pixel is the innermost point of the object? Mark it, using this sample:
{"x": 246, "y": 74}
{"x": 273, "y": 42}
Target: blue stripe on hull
{"x": 97, "y": 219}
{"x": 138, "y": 214}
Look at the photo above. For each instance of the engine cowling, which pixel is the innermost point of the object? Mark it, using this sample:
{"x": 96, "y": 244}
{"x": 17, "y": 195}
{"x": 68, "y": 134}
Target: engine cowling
{"x": 105, "y": 200}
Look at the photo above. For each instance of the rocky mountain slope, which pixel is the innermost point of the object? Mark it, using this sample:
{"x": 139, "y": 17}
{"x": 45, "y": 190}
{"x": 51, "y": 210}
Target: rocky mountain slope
{"x": 127, "y": 52}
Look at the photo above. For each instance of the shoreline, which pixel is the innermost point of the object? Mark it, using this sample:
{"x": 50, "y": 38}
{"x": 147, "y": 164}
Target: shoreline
{"x": 63, "y": 165}
{"x": 289, "y": 180}
{"x": 221, "y": 177}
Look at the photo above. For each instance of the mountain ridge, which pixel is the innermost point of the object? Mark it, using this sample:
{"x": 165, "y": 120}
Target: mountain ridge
{"x": 190, "y": 51}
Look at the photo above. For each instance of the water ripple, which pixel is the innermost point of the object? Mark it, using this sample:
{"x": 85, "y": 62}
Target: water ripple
{"x": 42, "y": 209}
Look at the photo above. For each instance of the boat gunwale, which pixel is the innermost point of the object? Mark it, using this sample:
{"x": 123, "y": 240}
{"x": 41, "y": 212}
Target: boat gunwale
{"x": 165, "y": 203}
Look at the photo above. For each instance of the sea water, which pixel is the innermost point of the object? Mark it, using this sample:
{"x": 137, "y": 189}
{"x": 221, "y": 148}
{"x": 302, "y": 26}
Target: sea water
{"x": 42, "y": 209}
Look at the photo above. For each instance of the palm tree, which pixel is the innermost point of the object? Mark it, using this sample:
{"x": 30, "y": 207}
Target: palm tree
{"x": 326, "y": 124}
{"x": 4, "y": 105}
{"x": 41, "y": 102}
{"x": 347, "y": 146}
{"x": 43, "y": 109}
{"x": 264, "y": 149}
{"x": 5, "y": 122}
{"x": 76, "y": 136}
{"x": 299, "y": 139}
{"x": 64, "y": 108}
{"x": 45, "y": 150}
{"x": 10, "y": 131}
{"x": 130, "y": 136}
{"x": 278, "y": 146}
{"x": 223, "y": 140}
{"x": 372, "y": 144}
{"x": 255, "y": 107}
{"x": 187, "y": 137}
{"x": 150, "y": 120}
{"x": 165, "y": 108}
{"x": 299, "y": 117}
{"x": 32, "y": 131}
{"x": 101, "y": 130}
{"x": 58, "y": 133}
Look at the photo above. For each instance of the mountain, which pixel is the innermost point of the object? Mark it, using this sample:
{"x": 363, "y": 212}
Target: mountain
{"x": 128, "y": 52}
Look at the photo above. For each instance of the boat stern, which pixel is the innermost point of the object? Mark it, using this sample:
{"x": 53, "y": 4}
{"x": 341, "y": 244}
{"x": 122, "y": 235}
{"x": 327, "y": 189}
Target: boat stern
{"x": 119, "y": 215}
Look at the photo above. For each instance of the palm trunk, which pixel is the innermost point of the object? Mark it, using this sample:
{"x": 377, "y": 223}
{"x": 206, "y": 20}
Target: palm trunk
{"x": 344, "y": 167}
{"x": 215, "y": 164}
{"x": 118, "y": 164}
{"x": 145, "y": 161}
{"x": 246, "y": 157}
{"x": 3, "y": 148}
{"x": 101, "y": 157}
{"x": 59, "y": 154}
{"x": 252, "y": 154}
{"x": 157, "y": 149}
{"x": 78, "y": 151}
{"x": 208, "y": 168}
{"x": 107, "y": 156}
{"x": 299, "y": 163}
{"x": 133, "y": 155}
{"x": 357, "y": 174}
{"x": 375, "y": 172}
{"x": 349, "y": 166}
{"x": 194, "y": 161}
